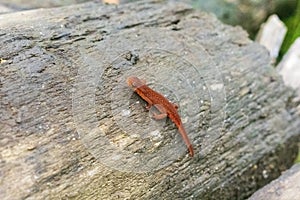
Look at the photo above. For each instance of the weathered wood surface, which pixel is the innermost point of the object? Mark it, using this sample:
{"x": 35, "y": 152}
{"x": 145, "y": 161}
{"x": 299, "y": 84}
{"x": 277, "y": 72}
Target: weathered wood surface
{"x": 67, "y": 128}
{"x": 23, "y": 4}
{"x": 286, "y": 187}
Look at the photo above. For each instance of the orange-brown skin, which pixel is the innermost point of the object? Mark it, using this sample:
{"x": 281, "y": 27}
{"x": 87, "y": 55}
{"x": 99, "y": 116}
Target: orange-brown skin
{"x": 166, "y": 108}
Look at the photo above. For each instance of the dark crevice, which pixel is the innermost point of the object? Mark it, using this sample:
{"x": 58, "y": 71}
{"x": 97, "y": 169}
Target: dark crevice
{"x": 59, "y": 36}
{"x": 91, "y": 18}
{"x": 128, "y": 26}
{"x": 184, "y": 12}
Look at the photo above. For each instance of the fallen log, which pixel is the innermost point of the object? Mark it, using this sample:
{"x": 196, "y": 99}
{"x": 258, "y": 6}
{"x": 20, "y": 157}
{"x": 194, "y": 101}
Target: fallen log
{"x": 71, "y": 128}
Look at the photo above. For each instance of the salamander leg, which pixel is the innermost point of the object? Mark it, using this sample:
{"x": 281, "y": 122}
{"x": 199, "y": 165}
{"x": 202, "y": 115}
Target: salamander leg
{"x": 162, "y": 114}
{"x": 159, "y": 116}
{"x": 175, "y": 106}
{"x": 148, "y": 107}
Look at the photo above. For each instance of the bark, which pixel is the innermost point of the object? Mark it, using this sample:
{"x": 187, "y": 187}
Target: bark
{"x": 72, "y": 129}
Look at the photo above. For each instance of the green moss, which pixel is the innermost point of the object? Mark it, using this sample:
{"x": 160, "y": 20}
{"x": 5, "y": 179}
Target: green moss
{"x": 298, "y": 157}
{"x": 293, "y": 25}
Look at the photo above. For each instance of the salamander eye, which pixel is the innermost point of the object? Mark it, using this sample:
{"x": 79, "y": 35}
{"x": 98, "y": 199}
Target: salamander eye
{"x": 133, "y": 84}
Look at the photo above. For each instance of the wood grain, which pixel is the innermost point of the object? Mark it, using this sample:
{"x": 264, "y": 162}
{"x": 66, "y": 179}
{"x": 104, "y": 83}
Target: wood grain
{"x": 62, "y": 92}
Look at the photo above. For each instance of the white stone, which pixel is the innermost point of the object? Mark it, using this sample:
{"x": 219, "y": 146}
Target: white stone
{"x": 289, "y": 67}
{"x": 271, "y": 35}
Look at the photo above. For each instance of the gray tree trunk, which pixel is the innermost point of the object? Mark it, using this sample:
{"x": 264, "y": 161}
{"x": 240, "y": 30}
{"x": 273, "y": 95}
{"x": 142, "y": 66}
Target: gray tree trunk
{"x": 72, "y": 129}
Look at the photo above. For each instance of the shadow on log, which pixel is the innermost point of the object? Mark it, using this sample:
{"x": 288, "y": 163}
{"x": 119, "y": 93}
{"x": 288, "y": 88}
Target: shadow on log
{"x": 285, "y": 187}
{"x": 71, "y": 128}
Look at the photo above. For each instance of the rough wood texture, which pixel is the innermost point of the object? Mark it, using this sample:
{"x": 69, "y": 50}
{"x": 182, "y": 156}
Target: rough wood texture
{"x": 70, "y": 128}
{"x": 285, "y": 187}
{"x": 23, "y": 4}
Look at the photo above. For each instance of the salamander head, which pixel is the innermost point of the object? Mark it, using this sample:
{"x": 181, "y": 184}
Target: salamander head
{"x": 135, "y": 82}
